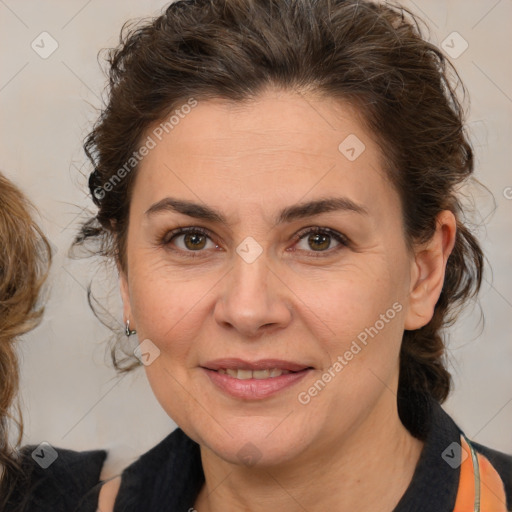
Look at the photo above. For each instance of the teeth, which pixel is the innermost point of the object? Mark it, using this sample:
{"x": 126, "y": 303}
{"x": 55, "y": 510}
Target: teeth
{"x": 256, "y": 374}
{"x": 244, "y": 374}
{"x": 261, "y": 374}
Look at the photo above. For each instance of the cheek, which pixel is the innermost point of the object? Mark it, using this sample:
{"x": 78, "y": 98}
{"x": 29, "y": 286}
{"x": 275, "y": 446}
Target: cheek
{"x": 359, "y": 319}
{"x": 168, "y": 305}
{"x": 360, "y": 327}
{"x": 170, "y": 312}
{"x": 347, "y": 302}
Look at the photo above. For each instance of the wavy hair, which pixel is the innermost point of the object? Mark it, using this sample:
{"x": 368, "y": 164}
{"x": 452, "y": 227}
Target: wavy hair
{"x": 25, "y": 256}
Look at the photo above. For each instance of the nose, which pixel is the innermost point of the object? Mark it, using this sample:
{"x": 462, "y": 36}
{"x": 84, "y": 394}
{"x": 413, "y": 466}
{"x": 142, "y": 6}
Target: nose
{"x": 253, "y": 299}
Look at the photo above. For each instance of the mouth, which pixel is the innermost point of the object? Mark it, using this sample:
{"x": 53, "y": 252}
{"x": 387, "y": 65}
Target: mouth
{"x": 254, "y": 380}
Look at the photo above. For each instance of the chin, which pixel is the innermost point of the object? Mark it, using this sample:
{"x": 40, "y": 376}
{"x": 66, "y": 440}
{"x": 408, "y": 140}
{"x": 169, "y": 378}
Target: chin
{"x": 255, "y": 442}
{"x": 256, "y": 453}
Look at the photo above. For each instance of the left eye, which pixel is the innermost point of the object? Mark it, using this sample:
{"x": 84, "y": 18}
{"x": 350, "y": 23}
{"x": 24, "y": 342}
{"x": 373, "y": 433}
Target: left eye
{"x": 321, "y": 238}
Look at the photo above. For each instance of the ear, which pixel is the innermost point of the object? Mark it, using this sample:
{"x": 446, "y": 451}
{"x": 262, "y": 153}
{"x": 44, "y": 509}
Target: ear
{"x": 125, "y": 296}
{"x": 428, "y": 271}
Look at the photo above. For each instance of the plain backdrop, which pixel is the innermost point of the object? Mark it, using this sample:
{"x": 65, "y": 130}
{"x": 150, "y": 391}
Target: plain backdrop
{"x": 71, "y": 396}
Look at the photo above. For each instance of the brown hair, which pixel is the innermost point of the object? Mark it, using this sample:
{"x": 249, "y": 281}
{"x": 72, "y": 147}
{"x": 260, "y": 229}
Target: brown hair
{"x": 25, "y": 255}
{"x": 372, "y": 55}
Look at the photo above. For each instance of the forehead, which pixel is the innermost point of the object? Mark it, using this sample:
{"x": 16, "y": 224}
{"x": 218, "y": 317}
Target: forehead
{"x": 279, "y": 145}
{"x": 275, "y": 120}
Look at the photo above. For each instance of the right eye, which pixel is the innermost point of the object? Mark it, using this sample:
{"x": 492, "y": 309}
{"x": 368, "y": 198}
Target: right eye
{"x": 191, "y": 240}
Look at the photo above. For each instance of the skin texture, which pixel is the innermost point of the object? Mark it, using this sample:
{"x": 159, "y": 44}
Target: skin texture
{"x": 301, "y": 301}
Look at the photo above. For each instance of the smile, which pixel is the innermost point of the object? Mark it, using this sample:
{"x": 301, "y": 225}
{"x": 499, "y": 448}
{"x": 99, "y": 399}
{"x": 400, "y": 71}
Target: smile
{"x": 243, "y": 374}
{"x": 256, "y": 380}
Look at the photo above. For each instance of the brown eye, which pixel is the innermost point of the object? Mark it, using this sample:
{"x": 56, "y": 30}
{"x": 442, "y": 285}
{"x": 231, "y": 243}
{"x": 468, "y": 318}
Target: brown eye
{"x": 188, "y": 240}
{"x": 319, "y": 240}
{"x": 194, "y": 241}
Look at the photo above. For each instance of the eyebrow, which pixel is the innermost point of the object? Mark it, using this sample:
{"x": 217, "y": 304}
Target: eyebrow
{"x": 288, "y": 214}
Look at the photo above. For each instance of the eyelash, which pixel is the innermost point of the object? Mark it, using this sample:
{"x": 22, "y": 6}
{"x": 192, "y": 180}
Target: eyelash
{"x": 171, "y": 235}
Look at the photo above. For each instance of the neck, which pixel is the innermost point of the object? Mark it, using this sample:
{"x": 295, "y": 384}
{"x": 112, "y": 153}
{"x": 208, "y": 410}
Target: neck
{"x": 368, "y": 469}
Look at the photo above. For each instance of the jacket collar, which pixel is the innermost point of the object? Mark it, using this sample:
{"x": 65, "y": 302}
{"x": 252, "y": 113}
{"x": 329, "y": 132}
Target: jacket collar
{"x": 435, "y": 481}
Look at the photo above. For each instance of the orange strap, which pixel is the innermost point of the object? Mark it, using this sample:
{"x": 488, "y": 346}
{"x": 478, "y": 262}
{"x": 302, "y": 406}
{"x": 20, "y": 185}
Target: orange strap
{"x": 480, "y": 486}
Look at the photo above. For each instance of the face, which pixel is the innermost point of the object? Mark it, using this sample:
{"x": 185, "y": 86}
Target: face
{"x": 313, "y": 300}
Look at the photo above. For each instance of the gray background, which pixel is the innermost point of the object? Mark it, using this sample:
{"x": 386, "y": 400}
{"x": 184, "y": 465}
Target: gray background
{"x": 70, "y": 395}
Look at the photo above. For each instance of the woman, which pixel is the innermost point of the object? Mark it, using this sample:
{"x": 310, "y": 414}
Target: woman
{"x": 24, "y": 259}
{"x": 31, "y": 479}
{"x": 276, "y": 182}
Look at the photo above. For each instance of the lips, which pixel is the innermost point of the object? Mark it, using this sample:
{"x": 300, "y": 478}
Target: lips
{"x": 254, "y": 380}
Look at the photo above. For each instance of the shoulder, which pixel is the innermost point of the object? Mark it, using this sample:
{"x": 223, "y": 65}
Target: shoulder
{"x": 173, "y": 452}
{"x": 167, "y": 475}
{"x": 502, "y": 462}
{"x": 56, "y": 478}
{"x": 442, "y": 431}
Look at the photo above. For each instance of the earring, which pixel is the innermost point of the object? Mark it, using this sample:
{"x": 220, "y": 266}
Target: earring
{"x": 127, "y": 330}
